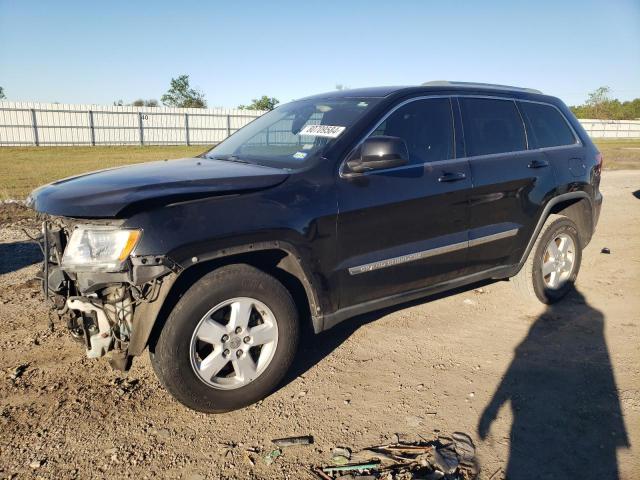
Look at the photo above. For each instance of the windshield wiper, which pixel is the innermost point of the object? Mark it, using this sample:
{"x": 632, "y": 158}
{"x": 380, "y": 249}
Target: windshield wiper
{"x": 228, "y": 158}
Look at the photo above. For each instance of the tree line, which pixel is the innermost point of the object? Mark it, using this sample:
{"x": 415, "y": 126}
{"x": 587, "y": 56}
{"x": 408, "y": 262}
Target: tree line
{"x": 600, "y": 106}
{"x": 181, "y": 95}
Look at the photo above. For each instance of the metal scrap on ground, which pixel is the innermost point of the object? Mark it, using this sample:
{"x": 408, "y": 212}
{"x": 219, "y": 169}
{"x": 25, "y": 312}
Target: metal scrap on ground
{"x": 291, "y": 441}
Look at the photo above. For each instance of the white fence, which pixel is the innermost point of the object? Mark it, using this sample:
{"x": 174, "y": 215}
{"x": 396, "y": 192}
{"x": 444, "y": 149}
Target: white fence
{"x": 612, "y": 128}
{"x": 25, "y": 123}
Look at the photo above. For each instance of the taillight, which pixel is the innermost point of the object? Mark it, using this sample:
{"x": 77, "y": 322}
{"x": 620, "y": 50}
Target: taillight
{"x": 599, "y": 161}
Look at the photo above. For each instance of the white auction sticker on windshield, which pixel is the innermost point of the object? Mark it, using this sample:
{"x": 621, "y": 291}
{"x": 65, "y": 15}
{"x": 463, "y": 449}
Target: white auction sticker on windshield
{"x": 328, "y": 131}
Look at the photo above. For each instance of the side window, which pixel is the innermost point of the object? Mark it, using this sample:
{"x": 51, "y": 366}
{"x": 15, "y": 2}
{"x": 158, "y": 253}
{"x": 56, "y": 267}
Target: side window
{"x": 427, "y": 128}
{"x": 492, "y": 126}
{"x": 547, "y": 127}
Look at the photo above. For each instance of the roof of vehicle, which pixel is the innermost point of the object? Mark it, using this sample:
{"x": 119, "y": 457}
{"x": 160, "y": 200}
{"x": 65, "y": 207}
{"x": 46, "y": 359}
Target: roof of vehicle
{"x": 430, "y": 87}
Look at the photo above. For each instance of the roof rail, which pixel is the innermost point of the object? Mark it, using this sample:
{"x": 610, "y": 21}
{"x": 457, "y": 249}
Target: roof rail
{"x": 446, "y": 83}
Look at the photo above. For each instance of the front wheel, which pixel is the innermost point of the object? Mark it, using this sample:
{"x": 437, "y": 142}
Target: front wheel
{"x": 553, "y": 263}
{"x": 229, "y": 341}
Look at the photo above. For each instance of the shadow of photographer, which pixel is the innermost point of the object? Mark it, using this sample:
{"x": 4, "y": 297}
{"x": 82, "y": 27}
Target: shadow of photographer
{"x": 567, "y": 418}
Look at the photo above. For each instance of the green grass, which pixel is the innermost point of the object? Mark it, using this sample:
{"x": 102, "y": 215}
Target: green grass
{"x": 619, "y": 153}
{"x": 24, "y": 168}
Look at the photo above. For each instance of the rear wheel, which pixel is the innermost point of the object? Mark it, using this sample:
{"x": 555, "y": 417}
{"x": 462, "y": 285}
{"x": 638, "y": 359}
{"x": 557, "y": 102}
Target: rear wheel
{"x": 229, "y": 341}
{"x": 553, "y": 263}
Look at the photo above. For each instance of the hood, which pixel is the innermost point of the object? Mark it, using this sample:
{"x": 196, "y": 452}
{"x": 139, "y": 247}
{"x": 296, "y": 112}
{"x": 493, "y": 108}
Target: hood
{"x": 116, "y": 192}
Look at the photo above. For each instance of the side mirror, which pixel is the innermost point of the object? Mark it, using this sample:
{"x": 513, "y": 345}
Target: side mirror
{"x": 377, "y": 153}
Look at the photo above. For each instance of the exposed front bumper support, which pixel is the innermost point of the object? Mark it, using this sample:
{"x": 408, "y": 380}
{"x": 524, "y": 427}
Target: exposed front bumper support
{"x": 99, "y": 343}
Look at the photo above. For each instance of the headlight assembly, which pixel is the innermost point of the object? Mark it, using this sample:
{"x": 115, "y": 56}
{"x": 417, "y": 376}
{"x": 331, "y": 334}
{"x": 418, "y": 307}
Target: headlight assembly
{"x": 99, "y": 248}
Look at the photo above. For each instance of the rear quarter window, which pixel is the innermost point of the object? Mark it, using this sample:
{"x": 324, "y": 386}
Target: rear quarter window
{"x": 492, "y": 126}
{"x": 546, "y": 125}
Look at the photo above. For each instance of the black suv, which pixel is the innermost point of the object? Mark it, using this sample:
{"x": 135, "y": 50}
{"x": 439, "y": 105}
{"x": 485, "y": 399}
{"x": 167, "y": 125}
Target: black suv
{"x": 320, "y": 210}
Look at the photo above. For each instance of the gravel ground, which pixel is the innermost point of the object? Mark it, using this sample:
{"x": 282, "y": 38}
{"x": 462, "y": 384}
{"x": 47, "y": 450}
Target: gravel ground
{"x": 545, "y": 392}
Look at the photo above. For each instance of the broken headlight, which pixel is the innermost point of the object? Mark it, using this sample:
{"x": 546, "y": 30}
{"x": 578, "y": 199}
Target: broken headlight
{"x": 102, "y": 249}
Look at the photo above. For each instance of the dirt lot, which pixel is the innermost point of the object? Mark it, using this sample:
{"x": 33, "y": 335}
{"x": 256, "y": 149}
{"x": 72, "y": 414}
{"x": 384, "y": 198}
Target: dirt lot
{"x": 555, "y": 392}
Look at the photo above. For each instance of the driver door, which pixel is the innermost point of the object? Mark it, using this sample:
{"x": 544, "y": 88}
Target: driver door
{"x": 406, "y": 228}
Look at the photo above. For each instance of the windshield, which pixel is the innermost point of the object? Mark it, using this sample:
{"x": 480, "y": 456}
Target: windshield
{"x": 294, "y": 134}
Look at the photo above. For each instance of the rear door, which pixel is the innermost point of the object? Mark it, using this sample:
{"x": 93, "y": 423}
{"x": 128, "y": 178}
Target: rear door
{"x": 510, "y": 182}
{"x": 405, "y": 228}
{"x": 549, "y": 131}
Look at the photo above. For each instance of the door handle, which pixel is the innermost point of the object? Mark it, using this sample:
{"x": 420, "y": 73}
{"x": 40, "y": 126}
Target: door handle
{"x": 538, "y": 164}
{"x": 452, "y": 177}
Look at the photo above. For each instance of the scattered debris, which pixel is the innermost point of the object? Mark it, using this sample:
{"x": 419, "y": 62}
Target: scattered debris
{"x": 270, "y": 457}
{"x": 19, "y": 370}
{"x": 605, "y": 250}
{"x": 320, "y": 474}
{"x": 450, "y": 458}
{"x": 291, "y": 441}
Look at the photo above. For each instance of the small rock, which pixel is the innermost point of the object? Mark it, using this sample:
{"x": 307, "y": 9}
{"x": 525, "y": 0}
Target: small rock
{"x": 468, "y": 301}
{"x": 36, "y": 464}
{"x": 302, "y": 393}
{"x": 605, "y": 250}
{"x": 342, "y": 452}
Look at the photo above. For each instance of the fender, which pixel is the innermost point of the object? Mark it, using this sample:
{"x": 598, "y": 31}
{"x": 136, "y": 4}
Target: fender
{"x": 296, "y": 265}
{"x": 580, "y": 194}
{"x": 146, "y": 315}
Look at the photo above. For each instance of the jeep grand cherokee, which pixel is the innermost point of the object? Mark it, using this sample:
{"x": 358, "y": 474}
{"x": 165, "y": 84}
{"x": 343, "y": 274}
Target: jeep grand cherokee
{"x": 320, "y": 210}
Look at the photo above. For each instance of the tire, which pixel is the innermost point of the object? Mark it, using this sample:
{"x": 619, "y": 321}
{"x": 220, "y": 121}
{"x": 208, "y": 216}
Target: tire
{"x": 179, "y": 369}
{"x": 530, "y": 281}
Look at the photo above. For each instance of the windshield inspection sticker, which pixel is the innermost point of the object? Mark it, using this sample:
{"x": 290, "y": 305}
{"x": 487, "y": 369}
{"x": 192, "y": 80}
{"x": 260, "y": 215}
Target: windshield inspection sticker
{"x": 327, "y": 131}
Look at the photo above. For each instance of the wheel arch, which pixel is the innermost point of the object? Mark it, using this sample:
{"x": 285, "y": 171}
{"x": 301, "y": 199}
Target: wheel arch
{"x": 575, "y": 205}
{"x": 580, "y": 212}
{"x": 279, "y": 259}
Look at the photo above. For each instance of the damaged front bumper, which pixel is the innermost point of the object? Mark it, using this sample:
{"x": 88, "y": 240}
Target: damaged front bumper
{"x": 111, "y": 313}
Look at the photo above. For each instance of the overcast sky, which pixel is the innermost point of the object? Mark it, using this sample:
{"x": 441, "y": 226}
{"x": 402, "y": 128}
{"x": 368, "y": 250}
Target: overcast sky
{"x": 100, "y": 51}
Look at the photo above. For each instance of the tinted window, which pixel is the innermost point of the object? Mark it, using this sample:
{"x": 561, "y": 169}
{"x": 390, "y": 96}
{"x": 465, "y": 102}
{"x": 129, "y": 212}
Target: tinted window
{"x": 491, "y": 126}
{"x": 547, "y": 127}
{"x": 426, "y": 126}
